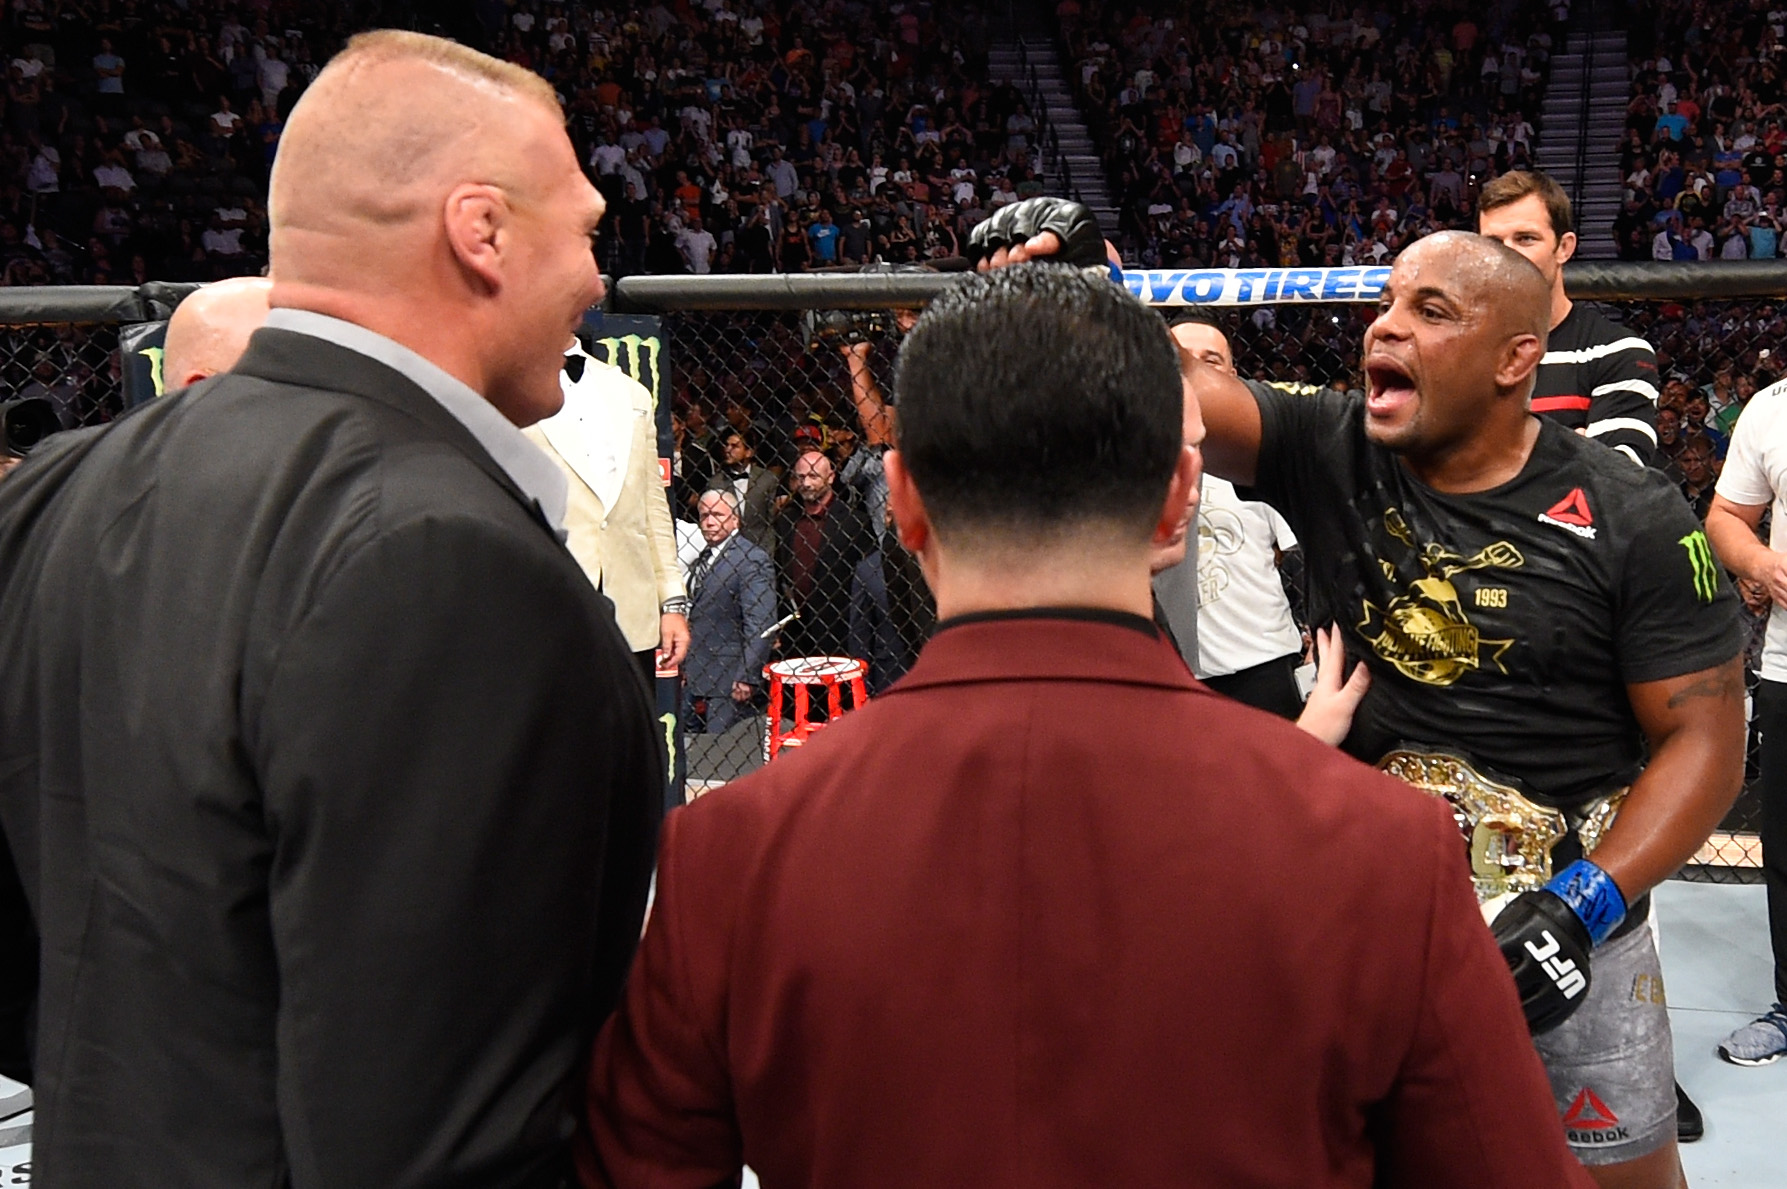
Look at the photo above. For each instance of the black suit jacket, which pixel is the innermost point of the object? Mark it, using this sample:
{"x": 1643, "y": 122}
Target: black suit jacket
{"x": 823, "y": 628}
{"x": 333, "y": 791}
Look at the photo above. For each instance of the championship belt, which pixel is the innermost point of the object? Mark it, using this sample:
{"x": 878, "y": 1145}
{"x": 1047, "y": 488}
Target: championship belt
{"x": 1510, "y": 837}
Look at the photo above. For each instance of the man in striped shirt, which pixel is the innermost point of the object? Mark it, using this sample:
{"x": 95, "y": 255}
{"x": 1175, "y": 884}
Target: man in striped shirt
{"x": 1597, "y": 377}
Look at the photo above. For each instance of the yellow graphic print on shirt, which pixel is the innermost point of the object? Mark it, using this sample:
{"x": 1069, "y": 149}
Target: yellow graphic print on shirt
{"x": 1424, "y": 632}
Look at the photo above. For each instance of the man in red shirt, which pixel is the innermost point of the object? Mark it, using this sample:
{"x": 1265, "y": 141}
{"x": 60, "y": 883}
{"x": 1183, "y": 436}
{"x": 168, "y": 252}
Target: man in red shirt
{"x": 1048, "y": 912}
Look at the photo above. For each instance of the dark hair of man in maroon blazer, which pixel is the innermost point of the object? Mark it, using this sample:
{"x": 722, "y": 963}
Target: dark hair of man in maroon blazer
{"x": 1048, "y": 912}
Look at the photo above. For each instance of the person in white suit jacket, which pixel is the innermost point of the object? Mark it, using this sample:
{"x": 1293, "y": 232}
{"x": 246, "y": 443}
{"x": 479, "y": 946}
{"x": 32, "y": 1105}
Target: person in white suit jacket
{"x": 618, "y": 518}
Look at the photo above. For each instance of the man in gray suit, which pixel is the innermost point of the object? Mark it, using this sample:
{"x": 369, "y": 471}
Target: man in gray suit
{"x": 732, "y": 588}
{"x": 330, "y": 781}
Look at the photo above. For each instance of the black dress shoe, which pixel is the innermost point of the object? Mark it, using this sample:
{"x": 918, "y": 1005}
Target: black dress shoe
{"x": 1689, "y": 1126}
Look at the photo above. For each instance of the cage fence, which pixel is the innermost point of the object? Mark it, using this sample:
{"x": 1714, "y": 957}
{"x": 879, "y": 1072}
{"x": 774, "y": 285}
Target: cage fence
{"x": 789, "y": 410}
{"x": 73, "y": 367}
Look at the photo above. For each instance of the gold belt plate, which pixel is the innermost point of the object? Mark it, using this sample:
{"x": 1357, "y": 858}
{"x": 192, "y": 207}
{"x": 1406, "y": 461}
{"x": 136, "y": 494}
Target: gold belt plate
{"x": 1510, "y": 836}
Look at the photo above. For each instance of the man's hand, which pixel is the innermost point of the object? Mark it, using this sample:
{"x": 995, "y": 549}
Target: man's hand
{"x": 1755, "y": 595}
{"x": 1039, "y": 229}
{"x": 673, "y": 639}
{"x": 1773, "y": 578}
{"x": 1546, "y": 946}
{"x": 1546, "y": 937}
{"x": 1733, "y": 530}
{"x": 1328, "y": 715}
{"x": 741, "y": 692}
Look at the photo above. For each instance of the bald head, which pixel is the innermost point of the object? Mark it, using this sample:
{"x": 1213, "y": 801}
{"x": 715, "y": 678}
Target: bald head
{"x": 430, "y": 193}
{"x": 210, "y": 329}
{"x": 1450, "y": 359}
{"x": 812, "y": 478}
{"x": 393, "y": 123}
{"x": 1487, "y": 272}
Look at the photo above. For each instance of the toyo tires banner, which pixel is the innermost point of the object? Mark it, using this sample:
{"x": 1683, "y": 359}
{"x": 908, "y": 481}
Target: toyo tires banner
{"x": 1254, "y": 286}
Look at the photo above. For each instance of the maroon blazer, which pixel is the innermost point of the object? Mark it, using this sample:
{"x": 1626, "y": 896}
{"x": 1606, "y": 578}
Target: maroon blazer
{"x": 1049, "y": 912}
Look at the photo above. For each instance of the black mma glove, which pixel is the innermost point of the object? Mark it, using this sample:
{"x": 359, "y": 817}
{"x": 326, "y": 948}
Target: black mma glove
{"x": 1546, "y": 945}
{"x": 1082, "y": 242}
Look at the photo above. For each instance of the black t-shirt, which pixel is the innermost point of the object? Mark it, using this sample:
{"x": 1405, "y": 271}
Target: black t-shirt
{"x": 1504, "y": 623}
{"x": 1759, "y": 166}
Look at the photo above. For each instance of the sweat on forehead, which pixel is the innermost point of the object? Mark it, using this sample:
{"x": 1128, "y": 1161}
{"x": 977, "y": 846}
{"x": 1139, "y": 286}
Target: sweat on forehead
{"x": 1478, "y": 269}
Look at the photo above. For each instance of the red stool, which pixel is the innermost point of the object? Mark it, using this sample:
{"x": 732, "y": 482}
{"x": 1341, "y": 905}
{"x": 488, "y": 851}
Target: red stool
{"x": 830, "y": 673}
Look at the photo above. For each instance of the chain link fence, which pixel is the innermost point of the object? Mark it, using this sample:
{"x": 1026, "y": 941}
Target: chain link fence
{"x": 788, "y": 413}
{"x": 72, "y": 368}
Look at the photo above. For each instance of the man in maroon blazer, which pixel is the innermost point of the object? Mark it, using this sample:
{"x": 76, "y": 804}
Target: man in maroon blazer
{"x": 1049, "y": 912}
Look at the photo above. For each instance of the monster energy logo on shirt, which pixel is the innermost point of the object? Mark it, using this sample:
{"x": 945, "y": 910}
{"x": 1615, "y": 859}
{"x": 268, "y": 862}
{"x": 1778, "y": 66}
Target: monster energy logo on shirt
{"x": 1706, "y": 571}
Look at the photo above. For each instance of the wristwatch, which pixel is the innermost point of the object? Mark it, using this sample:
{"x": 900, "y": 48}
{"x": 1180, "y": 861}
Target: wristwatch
{"x": 675, "y": 605}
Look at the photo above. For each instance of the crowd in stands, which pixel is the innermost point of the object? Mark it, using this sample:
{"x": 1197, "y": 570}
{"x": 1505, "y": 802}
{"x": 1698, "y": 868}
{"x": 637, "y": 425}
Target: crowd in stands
{"x": 770, "y": 135}
{"x": 137, "y": 136}
{"x": 746, "y": 135}
{"x": 732, "y": 137}
{"x": 1240, "y": 136}
{"x": 1713, "y": 356}
{"x": 1704, "y": 135}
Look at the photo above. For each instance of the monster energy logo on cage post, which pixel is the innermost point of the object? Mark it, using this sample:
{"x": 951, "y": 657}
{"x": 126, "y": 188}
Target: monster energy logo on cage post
{"x": 637, "y": 356}
{"x": 155, "y": 355}
{"x": 1706, "y": 569}
{"x": 669, "y": 723}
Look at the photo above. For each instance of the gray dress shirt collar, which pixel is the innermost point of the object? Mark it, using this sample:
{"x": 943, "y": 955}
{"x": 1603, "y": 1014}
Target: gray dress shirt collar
{"x": 536, "y": 474}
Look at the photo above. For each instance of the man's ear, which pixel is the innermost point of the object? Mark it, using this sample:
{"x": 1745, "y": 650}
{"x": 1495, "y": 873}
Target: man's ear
{"x": 476, "y": 218}
{"x": 911, "y": 521}
{"x": 1519, "y": 357}
{"x": 1566, "y": 247}
{"x": 1181, "y": 502}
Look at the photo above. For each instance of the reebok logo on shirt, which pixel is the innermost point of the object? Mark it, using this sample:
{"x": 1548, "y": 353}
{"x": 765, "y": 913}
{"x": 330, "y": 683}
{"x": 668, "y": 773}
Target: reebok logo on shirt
{"x": 1571, "y": 513}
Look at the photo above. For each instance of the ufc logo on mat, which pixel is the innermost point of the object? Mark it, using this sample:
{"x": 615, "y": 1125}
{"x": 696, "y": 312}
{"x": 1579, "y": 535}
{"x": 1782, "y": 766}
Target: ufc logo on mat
{"x": 1564, "y": 974}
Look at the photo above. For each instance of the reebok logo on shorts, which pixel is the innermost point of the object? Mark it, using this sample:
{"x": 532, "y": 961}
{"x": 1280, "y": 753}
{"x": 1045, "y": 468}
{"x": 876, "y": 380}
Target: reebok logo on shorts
{"x": 1571, "y": 513}
{"x": 1589, "y": 1122}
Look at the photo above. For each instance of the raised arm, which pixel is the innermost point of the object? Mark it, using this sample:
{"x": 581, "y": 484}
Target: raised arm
{"x": 872, "y": 409}
{"x": 1231, "y": 419}
{"x": 1053, "y": 228}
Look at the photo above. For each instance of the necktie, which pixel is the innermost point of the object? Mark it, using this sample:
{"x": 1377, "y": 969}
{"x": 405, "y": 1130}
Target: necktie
{"x": 698, "y": 572}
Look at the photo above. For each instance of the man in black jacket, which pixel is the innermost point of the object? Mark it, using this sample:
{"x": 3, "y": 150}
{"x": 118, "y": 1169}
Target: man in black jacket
{"x": 329, "y": 778}
{"x": 820, "y": 538}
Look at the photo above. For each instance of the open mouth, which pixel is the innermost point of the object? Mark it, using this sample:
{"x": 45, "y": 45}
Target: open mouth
{"x": 1388, "y": 387}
